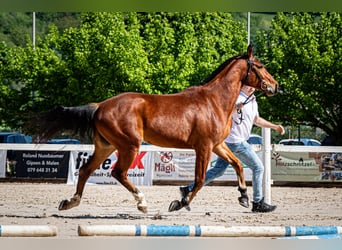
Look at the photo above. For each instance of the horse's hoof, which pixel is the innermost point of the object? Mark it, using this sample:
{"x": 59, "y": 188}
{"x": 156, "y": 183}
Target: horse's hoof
{"x": 142, "y": 209}
{"x": 175, "y": 205}
{"x": 63, "y": 205}
{"x": 243, "y": 201}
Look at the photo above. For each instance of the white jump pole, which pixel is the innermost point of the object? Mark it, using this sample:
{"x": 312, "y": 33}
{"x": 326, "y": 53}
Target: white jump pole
{"x": 206, "y": 231}
{"x": 266, "y": 135}
{"x": 27, "y": 231}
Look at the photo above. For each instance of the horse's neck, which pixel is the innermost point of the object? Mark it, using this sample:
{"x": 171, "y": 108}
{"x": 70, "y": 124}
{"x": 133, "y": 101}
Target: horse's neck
{"x": 226, "y": 87}
{"x": 226, "y": 97}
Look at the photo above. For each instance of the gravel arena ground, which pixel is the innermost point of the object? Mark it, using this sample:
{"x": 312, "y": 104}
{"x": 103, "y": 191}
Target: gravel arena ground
{"x": 37, "y": 204}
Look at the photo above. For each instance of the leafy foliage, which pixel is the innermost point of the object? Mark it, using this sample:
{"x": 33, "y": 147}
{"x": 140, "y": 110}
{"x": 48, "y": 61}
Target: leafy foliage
{"x": 111, "y": 53}
{"x": 303, "y": 51}
{"x": 103, "y": 54}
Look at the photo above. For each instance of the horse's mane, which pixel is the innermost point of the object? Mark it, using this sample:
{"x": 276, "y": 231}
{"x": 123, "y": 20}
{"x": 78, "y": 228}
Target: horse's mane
{"x": 221, "y": 67}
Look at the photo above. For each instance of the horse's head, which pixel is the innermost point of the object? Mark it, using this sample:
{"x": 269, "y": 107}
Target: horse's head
{"x": 257, "y": 76}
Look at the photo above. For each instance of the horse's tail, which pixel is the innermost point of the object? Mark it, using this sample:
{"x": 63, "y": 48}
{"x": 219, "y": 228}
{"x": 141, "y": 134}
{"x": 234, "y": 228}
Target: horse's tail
{"x": 76, "y": 120}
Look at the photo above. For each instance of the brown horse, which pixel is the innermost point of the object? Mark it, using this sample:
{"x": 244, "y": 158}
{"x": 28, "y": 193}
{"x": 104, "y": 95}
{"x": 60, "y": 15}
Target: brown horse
{"x": 197, "y": 118}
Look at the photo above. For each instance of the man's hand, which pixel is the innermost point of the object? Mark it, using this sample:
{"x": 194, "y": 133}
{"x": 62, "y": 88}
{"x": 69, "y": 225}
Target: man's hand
{"x": 281, "y": 129}
{"x": 239, "y": 106}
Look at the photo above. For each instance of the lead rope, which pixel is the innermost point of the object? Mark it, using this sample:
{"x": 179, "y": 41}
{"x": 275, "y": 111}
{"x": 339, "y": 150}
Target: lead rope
{"x": 248, "y": 99}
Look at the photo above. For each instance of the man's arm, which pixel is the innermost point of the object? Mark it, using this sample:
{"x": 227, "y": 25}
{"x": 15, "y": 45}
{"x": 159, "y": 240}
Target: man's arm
{"x": 261, "y": 122}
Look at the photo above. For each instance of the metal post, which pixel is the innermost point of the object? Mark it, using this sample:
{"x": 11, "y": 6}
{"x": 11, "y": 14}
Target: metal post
{"x": 249, "y": 27}
{"x": 266, "y": 134}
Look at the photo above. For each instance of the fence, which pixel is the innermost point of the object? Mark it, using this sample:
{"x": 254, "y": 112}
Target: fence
{"x": 156, "y": 165}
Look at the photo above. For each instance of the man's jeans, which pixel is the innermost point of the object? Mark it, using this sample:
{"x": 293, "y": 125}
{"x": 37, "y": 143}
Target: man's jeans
{"x": 244, "y": 152}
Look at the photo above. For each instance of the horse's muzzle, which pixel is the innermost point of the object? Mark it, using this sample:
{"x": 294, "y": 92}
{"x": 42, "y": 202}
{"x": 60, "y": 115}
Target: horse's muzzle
{"x": 269, "y": 90}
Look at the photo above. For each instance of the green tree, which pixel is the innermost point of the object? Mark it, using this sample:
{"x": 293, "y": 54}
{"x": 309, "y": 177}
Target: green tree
{"x": 184, "y": 48}
{"x": 102, "y": 58}
{"x": 16, "y": 27}
{"x": 12, "y": 82}
{"x": 111, "y": 53}
{"x": 303, "y": 52}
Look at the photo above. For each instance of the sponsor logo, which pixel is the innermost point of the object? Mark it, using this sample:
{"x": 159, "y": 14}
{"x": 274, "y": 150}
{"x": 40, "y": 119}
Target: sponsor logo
{"x": 167, "y": 168}
{"x": 166, "y": 156}
{"x": 83, "y": 158}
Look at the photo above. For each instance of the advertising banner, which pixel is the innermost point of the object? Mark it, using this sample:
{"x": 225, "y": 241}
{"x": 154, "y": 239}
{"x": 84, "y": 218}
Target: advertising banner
{"x": 180, "y": 165}
{"x": 140, "y": 172}
{"x": 41, "y": 164}
{"x": 306, "y": 166}
{"x": 288, "y": 164}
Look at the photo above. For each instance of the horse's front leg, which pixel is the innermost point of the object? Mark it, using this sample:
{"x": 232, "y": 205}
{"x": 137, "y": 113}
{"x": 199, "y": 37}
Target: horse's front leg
{"x": 141, "y": 201}
{"x": 202, "y": 160}
{"x": 86, "y": 170}
{"x": 120, "y": 173}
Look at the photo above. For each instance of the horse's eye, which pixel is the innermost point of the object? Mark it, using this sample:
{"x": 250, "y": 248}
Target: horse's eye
{"x": 260, "y": 66}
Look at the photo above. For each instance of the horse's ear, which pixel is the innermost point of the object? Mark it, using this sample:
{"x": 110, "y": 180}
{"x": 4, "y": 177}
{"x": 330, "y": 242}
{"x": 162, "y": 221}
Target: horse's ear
{"x": 250, "y": 51}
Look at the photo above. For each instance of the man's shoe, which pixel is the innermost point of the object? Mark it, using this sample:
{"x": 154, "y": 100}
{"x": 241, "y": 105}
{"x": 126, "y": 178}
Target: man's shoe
{"x": 262, "y": 207}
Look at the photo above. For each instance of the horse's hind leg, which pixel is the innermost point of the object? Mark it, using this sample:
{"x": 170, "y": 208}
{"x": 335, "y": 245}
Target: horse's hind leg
{"x": 99, "y": 155}
{"x": 126, "y": 157}
{"x": 224, "y": 152}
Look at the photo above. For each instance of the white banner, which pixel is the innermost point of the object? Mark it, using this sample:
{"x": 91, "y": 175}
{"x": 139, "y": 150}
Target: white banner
{"x": 175, "y": 165}
{"x": 139, "y": 174}
{"x": 3, "y": 163}
{"x": 306, "y": 166}
{"x": 148, "y": 166}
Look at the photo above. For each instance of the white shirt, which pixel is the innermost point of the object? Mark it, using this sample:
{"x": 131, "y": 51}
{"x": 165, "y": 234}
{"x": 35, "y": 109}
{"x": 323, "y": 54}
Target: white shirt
{"x": 241, "y": 129}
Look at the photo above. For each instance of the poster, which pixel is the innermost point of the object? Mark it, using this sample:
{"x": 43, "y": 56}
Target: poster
{"x": 180, "y": 165}
{"x": 140, "y": 172}
{"x": 306, "y": 166}
{"x": 41, "y": 164}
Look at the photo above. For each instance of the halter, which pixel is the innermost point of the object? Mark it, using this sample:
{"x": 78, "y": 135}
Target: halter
{"x": 251, "y": 65}
{"x": 263, "y": 84}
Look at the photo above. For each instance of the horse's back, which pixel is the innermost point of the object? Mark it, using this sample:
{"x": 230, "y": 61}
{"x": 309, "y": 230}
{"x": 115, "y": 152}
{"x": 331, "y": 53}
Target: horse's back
{"x": 149, "y": 103}
{"x": 165, "y": 120}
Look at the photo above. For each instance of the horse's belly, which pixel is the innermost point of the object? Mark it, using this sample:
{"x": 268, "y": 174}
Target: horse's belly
{"x": 168, "y": 137}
